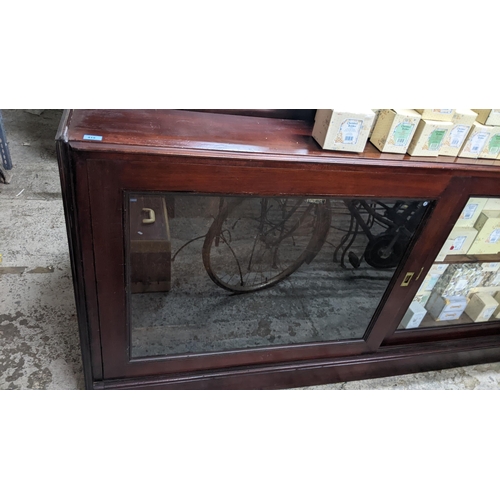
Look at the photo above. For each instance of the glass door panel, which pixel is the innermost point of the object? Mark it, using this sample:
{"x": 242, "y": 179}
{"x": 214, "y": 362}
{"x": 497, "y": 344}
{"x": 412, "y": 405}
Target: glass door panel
{"x": 216, "y": 273}
{"x": 463, "y": 284}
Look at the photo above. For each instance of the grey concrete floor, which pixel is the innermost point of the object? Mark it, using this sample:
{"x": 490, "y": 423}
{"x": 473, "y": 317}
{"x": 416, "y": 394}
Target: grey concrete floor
{"x": 39, "y": 346}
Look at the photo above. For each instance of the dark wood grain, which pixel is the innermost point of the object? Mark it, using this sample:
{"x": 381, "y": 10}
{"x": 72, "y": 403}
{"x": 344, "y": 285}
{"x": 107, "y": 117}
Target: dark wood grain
{"x": 230, "y": 136}
{"x": 386, "y": 362}
{"x": 74, "y": 185}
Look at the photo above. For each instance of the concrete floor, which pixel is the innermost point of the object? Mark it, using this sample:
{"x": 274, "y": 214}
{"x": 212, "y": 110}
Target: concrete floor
{"x": 39, "y": 347}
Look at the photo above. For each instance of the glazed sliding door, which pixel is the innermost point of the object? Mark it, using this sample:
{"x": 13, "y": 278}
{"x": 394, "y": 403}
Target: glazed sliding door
{"x": 193, "y": 276}
{"x": 463, "y": 284}
{"x": 210, "y": 273}
{"x": 458, "y": 294}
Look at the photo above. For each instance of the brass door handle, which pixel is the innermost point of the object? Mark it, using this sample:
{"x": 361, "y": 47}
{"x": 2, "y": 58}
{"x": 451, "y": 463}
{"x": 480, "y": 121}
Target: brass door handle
{"x": 407, "y": 279}
{"x": 151, "y": 216}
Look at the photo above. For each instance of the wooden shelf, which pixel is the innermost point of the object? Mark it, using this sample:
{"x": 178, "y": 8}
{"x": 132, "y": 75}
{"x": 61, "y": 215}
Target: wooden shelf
{"x": 184, "y": 132}
{"x": 471, "y": 259}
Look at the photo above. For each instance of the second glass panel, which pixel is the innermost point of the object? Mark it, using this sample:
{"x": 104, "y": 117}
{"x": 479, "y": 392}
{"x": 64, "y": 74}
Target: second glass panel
{"x": 463, "y": 284}
{"x": 211, "y": 273}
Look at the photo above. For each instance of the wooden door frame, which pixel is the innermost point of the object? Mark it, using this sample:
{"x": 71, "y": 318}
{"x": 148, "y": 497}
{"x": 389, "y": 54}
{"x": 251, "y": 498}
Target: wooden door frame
{"x": 109, "y": 180}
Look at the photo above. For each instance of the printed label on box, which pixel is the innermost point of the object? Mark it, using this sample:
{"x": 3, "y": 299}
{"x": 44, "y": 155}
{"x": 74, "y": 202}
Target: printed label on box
{"x": 436, "y": 138}
{"x": 443, "y": 111}
{"x": 491, "y": 266}
{"x": 458, "y": 135}
{"x": 402, "y": 133}
{"x": 350, "y": 130}
{"x": 458, "y": 243}
{"x": 494, "y": 145}
{"x": 469, "y": 211}
{"x": 478, "y": 141}
{"x": 449, "y": 316}
{"x": 488, "y": 312}
{"x": 494, "y": 236}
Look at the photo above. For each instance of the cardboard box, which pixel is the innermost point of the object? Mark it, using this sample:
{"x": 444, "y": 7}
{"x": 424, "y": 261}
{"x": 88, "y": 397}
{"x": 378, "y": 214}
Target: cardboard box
{"x": 422, "y": 298}
{"x": 492, "y": 204}
{"x": 496, "y": 313}
{"x": 488, "y": 238}
{"x": 431, "y": 279}
{"x": 394, "y": 130}
{"x": 462, "y": 120}
{"x": 475, "y": 142}
{"x": 428, "y": 138}
{"x": 492, "y": 146}
{"x": 443, "y": 308}
{"x": 413, "y": 316}
{"x": 492, "y": 280}
{"x": 429, "y": 283}
{"x": 458, "y": 242}
{"x": 481, "y": 307}
{"x": 343, "y": 130}
{"x": 377, "y": 113}
{"x": 488, "y": 116}
{"x": 471, "y": 212}
{"x": 459, "y": 279}
{"x": 490, "y": 266}
{"x": 443, "y": 115}
{"x": 438, "y": 268}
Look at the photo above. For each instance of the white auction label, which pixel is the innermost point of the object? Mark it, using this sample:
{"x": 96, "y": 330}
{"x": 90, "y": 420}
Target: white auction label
{"x": 458, "y": 243}
{"x": 350, "y": 131}
{"x": 494, "y": 236}
{"x": 478, "y": 141}
{"x": 469, "y": 211}
{"x": 458, "y": 135}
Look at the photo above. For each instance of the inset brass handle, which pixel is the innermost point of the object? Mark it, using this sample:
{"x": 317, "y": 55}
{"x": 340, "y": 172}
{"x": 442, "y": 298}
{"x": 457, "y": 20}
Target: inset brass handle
{"x": 407, "y": 279}
{"x": 151, "y": 216}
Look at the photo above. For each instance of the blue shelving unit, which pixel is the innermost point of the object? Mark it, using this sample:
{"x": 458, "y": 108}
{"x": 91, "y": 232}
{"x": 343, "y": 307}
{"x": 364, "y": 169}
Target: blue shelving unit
{"x": 6, "y": 165}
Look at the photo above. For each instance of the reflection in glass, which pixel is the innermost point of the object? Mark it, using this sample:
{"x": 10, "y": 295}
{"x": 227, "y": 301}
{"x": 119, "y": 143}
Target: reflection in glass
{"x": 212, "y": 273}
{"x": 463, "y": 285}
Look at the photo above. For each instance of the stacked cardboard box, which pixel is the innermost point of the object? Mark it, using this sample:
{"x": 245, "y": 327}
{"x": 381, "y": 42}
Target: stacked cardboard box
{"x": 429, "y": 137}
{"x": 458, "y": 242}
{"x": 394, "y": 130}
{"x": 481, "y": 307}
{"x": 488, "y": 237}
{"x": 458, "y": 279}
{"x": 446, "y": 308}
{"x": 343, "y": 130}
{"x": 444, "y": 115}
{"x": 488, "y": 116}
{"x": 476, "y": 140}
{"x": 414, "y": 315}
{"x": 462, "y": 120}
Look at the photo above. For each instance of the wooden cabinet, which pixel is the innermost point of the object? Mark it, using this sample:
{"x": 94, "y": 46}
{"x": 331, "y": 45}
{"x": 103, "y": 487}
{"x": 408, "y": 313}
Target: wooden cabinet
{"x": 278, "y": 264}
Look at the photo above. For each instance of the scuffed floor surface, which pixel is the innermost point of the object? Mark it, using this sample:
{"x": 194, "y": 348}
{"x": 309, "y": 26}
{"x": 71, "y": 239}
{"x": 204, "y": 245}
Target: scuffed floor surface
{"x": 39, "y": 345}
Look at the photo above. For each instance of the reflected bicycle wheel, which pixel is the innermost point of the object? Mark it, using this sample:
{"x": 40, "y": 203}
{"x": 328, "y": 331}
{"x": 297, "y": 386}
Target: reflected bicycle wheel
{"x": 255, "y": 243}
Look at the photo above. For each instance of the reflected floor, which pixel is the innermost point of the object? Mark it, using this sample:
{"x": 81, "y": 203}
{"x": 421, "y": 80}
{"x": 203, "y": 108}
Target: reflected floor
{"x": 319, "y": 302}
